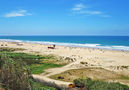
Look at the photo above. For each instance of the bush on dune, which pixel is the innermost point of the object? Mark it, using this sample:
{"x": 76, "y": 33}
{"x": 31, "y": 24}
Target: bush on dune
{"x": 99, "y": 85}
{"x": 14, "y": 75}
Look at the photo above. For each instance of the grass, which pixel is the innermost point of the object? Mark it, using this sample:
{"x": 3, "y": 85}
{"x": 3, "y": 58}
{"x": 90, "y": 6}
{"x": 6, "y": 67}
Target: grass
{"x": 124, "y": 77}
{"x": 39, "y": 68}
{"x": 93, "y": 73}
{"x": 90, "y": 84}
{"x": 38, "y": 86}
{"x": 1, "y": 88}
{"x": 35, "y": 63}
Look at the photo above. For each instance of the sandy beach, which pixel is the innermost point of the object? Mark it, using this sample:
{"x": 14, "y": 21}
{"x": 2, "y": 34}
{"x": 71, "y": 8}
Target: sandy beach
{"x": 110, "y": 59}
{"x": 117, "y": 61}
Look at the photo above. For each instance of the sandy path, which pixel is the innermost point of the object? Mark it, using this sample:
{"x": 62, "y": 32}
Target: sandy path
{"x": 51, "y": 82}
{"x": 44, "y": 78}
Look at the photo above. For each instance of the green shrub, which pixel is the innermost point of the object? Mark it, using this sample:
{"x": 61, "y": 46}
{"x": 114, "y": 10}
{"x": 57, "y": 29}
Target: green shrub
{"x": 14, "y": 75}
{"x": 80, "y": 83}
{"x": 99, "y": 85}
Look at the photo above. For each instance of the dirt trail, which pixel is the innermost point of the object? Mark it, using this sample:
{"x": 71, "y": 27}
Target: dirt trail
{"x": 44, "y": 77}
{"x": 53, "y": 71}
{"x": 51, "y": 82}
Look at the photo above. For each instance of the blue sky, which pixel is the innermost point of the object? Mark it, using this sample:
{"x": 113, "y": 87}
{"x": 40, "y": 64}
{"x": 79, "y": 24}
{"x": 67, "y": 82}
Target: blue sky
{"x": 64, "y": 17}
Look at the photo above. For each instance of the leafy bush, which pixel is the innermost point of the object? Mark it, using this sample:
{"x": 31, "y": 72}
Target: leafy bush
{"x": 14, "y": 75}
{"x": 80, "y": 83}
{"x": 99, "y": 85}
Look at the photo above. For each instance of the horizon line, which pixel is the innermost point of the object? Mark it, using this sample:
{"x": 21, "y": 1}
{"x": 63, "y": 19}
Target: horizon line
{"x": 64, "y": 35}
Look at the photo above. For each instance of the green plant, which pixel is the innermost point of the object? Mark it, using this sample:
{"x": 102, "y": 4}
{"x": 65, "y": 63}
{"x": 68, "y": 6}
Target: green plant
{"x": 39, "y": 68}
{"x": 27, "y": 58}
{"x": 80, "y": 83}
{"x": 14, "y": 75}
{"x": 99, "y": 85}
{"x": 37, "y": 86}
{"x": 16, "y": 68}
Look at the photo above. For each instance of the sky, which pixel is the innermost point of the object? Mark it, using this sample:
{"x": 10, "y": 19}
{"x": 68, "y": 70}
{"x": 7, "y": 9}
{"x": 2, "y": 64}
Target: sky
{"x": 64, "y": 17}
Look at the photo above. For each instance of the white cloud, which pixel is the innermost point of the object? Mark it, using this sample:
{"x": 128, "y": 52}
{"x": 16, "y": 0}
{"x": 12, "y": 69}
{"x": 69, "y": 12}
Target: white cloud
{"x": 79, "y": 6}
{"x": 90, "y": 12}
{"x": 83, "y": 9}
{"x": 17, "y": 13}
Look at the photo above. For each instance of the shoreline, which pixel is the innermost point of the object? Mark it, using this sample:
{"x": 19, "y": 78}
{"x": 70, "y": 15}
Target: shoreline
{"x": 64, "y": 45}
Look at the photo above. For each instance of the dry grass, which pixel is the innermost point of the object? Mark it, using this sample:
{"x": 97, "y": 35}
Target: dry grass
{"x": 93, "y": 73}
{"x": 55, "y": 60}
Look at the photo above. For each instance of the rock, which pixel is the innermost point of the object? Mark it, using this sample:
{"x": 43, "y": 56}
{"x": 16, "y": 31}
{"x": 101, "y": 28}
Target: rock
{"x": 60, "y": 77}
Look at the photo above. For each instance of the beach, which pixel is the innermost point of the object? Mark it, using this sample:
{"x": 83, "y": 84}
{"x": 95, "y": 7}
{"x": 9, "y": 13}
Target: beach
{"x": 91, "y": 57}
{"x": 97, "y": 61}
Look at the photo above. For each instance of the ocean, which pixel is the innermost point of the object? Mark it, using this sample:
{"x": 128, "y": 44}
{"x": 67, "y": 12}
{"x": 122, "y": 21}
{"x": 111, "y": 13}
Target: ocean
{"x": 102, "y": 42}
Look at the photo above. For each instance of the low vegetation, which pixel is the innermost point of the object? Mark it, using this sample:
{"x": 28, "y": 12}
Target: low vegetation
{"x": 5, "y": 49}
{"x": 39, "y": 68}
{"x": 93, "y": 73}
{"x": 38, "y": 86}
{"x": 36, "y": 63}
{"x": 88, "y": 84}
{"x": 14, "y": 75}
{"x": 16, "y": 70}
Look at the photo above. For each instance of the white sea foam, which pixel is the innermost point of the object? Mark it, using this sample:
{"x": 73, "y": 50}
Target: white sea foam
{"x": 121, "y": 47}
{"x": 10, "y": 40}
{"x": 125, "y": 48}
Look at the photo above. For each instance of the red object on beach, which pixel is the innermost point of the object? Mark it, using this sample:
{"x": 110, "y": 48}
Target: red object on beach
{"x": 71, "y": 86}
{"x": 52, "y": 47}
